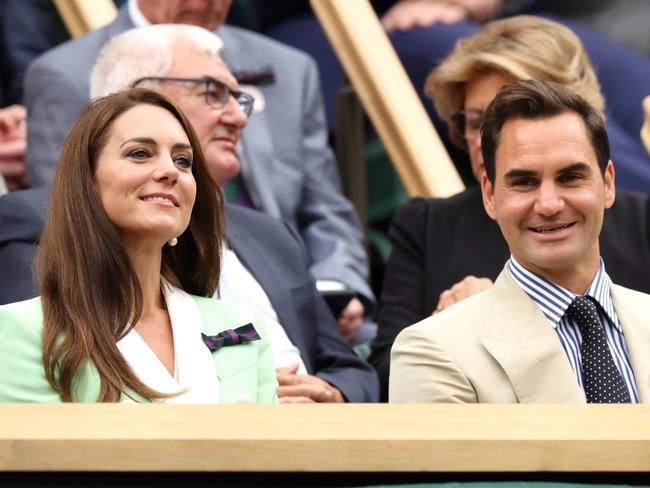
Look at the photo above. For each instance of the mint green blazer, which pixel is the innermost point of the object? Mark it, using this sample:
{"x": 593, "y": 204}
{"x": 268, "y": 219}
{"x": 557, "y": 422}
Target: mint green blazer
{"x": 246, "y": 372}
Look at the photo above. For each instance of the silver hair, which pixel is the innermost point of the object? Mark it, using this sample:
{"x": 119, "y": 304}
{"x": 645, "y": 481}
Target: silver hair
{"x": 145, "y": 51}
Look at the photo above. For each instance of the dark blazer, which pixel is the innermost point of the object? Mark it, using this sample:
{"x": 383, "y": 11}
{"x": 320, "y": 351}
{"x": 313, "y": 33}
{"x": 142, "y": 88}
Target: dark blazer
{"x": 273, "y": 252}
{"x": 437, "y": 242}
{"x": 269, "y": 248}
{"x": 22, "y": 215}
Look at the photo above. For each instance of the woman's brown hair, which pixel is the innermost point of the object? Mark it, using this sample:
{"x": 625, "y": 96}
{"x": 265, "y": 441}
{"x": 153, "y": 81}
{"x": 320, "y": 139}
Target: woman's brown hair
{"x": 89, "y": 289}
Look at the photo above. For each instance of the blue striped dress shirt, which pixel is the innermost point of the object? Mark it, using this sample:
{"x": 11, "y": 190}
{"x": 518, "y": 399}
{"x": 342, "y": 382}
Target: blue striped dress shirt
{"x": 553, "y": 301}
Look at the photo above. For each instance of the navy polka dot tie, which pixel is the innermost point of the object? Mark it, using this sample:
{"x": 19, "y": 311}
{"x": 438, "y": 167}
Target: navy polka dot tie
{"x": 601, "y": 378}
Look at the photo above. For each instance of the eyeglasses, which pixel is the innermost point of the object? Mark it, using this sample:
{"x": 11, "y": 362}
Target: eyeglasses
{"x": 216, "y": 92}
{"x": 468, "y": 122}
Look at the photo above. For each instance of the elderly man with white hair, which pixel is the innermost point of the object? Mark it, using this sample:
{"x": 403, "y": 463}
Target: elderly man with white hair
{"x": 288, "y": 169}
{"x": 265, "y": 263}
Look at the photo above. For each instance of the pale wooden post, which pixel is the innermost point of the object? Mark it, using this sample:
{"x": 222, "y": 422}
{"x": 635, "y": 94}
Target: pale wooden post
{"x": 81, "y": 16}
{"x": 388, "y": 97}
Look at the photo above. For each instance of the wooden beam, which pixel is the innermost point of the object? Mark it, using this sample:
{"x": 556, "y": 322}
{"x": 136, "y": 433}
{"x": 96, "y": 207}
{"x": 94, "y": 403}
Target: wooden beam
{"x": 82, "y": 16}
{"x": 388, "y": 97}
{"x": 325, "y": 438}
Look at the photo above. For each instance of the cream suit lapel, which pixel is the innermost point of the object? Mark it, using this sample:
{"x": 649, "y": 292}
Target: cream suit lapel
{"x": 632, "y": 309}
{"x": 527, "y": 348}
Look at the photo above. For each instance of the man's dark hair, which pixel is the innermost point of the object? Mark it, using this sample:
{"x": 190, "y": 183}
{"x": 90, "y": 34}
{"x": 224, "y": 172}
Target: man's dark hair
{"x": 532, "y": 99}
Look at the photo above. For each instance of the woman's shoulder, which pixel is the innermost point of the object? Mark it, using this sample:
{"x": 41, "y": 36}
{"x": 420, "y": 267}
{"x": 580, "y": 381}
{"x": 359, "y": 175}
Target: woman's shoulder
{"x": 21, "y": 325}
{"x": 21, "y": 349}
{"x": 27, "y": 313}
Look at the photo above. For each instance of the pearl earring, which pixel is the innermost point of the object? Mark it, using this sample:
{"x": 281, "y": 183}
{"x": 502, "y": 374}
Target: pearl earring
{"x": 173, "y": 241}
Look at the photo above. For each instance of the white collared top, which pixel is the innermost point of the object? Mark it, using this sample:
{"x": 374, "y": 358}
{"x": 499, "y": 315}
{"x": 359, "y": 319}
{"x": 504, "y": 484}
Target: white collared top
{"x": 238, "y": 285}
{"x": 194, "y": 368}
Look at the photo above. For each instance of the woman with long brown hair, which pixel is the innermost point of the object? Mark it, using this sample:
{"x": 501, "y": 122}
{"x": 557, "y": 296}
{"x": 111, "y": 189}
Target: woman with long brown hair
{"x": 130, "y": 247}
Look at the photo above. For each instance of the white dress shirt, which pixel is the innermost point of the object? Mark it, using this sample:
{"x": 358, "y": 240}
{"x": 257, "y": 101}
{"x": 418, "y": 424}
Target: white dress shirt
{"x": 238, "y": 285}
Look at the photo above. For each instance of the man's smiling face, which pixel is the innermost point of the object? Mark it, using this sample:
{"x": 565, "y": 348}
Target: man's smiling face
{"x": 549, "y": 194}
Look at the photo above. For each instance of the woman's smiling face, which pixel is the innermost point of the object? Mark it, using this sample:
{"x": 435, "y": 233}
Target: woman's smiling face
{"x": 143, "y": 175}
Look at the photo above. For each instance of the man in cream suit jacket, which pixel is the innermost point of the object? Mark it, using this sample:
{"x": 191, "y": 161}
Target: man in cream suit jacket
{"x": 554, "y": 328}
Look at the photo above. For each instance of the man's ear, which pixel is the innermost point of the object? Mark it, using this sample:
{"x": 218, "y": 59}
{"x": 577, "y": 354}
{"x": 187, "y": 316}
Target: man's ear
{"x": 610, "y": 188}
{"x": 488, "y": 195}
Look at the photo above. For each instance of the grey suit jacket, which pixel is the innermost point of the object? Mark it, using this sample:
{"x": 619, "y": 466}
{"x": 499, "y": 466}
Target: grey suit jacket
{"x": 287, "y": 165}
{"x": 498, "y": 347}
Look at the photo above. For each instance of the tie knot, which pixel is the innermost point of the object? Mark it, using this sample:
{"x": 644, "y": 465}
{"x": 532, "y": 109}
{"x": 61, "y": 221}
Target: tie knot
{"x": 584, "y": 311}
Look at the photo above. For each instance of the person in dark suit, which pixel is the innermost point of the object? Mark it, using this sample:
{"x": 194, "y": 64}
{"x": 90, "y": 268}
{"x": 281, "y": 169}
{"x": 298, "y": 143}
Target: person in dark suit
{"x": 445, "y": 250}
{"x": 22, "y": 216}
{"x": 275, "y": 255}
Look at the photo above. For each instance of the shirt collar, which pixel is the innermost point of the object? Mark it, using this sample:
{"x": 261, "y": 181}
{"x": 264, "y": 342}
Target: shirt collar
{"x": 553, "y": 299}
{"x": 138, "y": 19}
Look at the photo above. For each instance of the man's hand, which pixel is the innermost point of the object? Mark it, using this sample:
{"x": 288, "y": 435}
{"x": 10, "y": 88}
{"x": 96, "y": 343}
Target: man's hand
{"x": 468, "y": 286}
{"x": 406, "y": 14}
{"x": 13, "y": 143}
{"x": 304, "y": 388}
{"x": 351, "y": 319}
